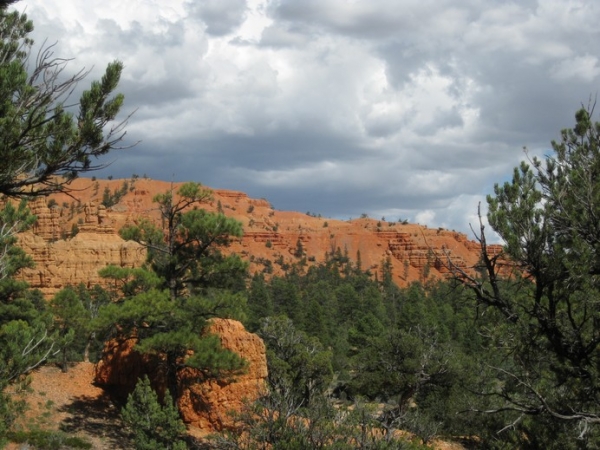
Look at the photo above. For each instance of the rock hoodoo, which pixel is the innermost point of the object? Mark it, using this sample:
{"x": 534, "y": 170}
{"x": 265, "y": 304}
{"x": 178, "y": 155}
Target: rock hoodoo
{"x": 61, "y": 261}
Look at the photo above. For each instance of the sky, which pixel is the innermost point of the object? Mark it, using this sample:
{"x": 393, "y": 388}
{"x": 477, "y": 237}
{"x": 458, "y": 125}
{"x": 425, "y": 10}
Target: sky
{"x": 403, "y": 109}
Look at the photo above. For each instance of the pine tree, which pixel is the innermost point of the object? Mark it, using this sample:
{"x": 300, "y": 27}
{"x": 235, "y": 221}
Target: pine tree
{"x": 185, "y": 251}
{"x": 167, "y": 309}
{"x": 548, "y": 327}
{"x": 71, "y": 321}
{"x": 44, "y": 145}
{"x": 25, "y": 341}
{"x": 155, "y": 426}
{"x": 260, "y": 303}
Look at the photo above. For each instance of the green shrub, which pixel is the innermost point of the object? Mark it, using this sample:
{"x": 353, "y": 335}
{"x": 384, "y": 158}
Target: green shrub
{"x": 47, "y": 439}
{"x": 155, "y": 426}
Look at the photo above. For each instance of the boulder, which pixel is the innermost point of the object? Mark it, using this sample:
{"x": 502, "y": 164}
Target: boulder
{"x": 205, "y": 405}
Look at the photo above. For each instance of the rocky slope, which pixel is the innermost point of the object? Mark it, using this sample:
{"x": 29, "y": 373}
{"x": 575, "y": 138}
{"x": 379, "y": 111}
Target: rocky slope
{"x": 272, "y": 239}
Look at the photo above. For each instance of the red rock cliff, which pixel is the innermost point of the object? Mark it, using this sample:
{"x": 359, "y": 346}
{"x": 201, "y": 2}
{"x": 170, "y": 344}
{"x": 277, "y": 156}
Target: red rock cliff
{"x": 61, "y": 262}
{"x": 270, "y": 242}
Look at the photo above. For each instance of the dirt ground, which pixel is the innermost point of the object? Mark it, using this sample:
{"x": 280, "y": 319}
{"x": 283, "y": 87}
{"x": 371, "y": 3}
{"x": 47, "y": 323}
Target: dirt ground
{"x": 71, "y": 403}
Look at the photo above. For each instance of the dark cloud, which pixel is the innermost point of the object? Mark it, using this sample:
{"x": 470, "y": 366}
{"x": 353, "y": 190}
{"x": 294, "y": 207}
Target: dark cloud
{"x": 155, "y": 94}
{"x": 339, "y": 107}
{"x": 361, "y": 20}
{"x": 220, "y": 16}
{"x": 281, "y": 150}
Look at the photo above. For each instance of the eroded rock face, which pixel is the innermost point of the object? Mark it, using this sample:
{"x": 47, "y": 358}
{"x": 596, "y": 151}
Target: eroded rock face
{"x": 121, "y": 367}
{"x": 204, "y": 405}
{"x": 62, "y": 262}
{"x": 272, "y": 239}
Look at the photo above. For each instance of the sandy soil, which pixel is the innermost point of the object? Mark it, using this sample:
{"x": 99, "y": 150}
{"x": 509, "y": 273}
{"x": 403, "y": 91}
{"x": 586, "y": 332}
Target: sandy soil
{"x": 71, "y": 403}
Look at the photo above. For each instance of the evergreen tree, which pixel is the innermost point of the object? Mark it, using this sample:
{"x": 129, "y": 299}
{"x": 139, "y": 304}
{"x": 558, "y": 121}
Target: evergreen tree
{"x": 185, "y": 252}
{"x": 322, "y": 293}
{"x": 260, "y": 302}
{"x": 299, "y": 366}
{"x": 314, "y": 321}
{"x": 171, "y": 329}
{"x": 548, "y": 387}
{"x": 348, "y": 302}
{"x": 167, "y": 309}
{"x": 93, "y": 300}
{"x": 25, "y": 342}
{"x": 71, "y": 321}
{"x": 44, "y": 145}
{"x": 286, "y": 298}
{"x": 155, "y": 426}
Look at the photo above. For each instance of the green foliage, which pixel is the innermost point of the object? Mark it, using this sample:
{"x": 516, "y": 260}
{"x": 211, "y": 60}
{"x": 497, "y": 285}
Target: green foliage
{"x": 22, "y": 313}
{"x": 185, "y": 253}
{"x": 42, "y": 138}
{"x": 155, "y": 426}
{"x": 74, "y": 230}
{"x": 167, "y": 308}
{"x": 71, "y": 322}
{"x": 126, "y": 283}
{"x": 299, "y": 366}
{"x": 273, "y": 422}
{"x": 419, "y": 349}
{"x": 546, "y": 382}
{"x": 13, "y": 220}
{"x": 260, "y": 302}
{"x": 295, "y": 412}
{"x": 24, "y": 320}
{"x": 48, "y": 440}
{"x": 299, "y": 252}
{"x": 112, "y": 198}
{"x": 173, "y": 327}
{"x": 9, "y": 411}
{"x": 74, "y": 309}
{"x": 325, "y": 302}
{"x": 44, "y": 146}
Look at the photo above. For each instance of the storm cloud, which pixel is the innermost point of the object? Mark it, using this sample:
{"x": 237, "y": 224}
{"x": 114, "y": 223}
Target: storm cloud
{"x": 409, "y": 109}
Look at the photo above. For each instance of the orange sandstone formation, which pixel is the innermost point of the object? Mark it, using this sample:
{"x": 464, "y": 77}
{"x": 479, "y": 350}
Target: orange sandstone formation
{"x": 204, "y": 405}
{"x": 272, "y": 239}
{"x": 75, "y": 236}
{"x": 60, "y": 262}
{"x": 208, "y": 405}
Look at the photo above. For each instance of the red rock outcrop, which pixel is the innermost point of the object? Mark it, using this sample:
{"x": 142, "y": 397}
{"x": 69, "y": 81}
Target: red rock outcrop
{"x": 205, "y": 405}
{"x": 270, "y": 240}
{"x": 60, "y": 262}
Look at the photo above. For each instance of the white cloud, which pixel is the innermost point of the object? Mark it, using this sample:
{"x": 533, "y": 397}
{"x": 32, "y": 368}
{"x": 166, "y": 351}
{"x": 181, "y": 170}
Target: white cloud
{"x": 584, "y": 68}
{"x": 338, "y": 106}
{"x": 425, "y": 217}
